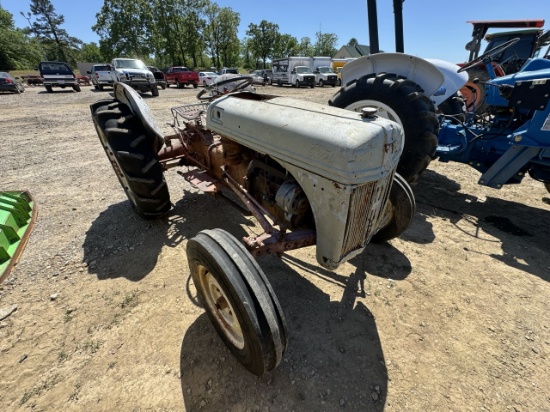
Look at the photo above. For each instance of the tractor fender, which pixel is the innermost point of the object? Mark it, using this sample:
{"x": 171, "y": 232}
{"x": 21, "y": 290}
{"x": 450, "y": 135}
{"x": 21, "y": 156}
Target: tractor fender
{"x": 452, "y": 82}
{"x": 437, "y": 78}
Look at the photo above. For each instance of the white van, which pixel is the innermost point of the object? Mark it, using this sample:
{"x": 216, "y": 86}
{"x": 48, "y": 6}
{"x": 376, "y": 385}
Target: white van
{"x": 320, "y": 66}
{"x": 293, "y": 70}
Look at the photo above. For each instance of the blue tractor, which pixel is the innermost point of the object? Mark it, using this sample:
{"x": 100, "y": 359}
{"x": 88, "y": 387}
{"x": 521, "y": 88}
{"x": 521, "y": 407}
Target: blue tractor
{"x": 509, "y": 139}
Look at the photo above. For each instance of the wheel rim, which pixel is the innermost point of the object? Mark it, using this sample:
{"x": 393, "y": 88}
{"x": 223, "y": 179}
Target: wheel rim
{"x": 220, "y": 306}
{"x": 384, "y": 110}
{"x": 473, "y": 95}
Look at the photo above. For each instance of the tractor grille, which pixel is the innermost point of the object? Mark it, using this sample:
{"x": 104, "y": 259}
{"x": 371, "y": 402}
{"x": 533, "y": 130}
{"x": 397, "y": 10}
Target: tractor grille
{"x": 366, "y": 206}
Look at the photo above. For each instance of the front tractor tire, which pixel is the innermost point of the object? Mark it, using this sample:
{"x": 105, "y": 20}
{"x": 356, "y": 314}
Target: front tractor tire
{"x": 238, "y": 299}
{"x": 404, "y": 102}
{"x": 133, "y": 154}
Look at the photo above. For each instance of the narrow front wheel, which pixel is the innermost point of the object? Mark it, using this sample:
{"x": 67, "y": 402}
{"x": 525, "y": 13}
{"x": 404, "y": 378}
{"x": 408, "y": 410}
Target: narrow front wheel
{"x": 238, "y": 300}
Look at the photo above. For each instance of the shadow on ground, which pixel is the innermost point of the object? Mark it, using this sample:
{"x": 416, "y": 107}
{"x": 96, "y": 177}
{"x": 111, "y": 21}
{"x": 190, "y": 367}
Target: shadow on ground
{"x": 334, "y": 358}
{"x": 521, "y": 230}
{"x": 121, "y": 244}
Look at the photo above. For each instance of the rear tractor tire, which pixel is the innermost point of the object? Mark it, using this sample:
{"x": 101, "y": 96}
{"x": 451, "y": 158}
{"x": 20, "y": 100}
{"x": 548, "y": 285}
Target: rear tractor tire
{"x": 133, "y": 155}
{"x": 404, "y": 102}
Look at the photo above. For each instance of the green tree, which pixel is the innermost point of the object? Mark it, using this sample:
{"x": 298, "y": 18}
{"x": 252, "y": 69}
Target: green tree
{"x": 55, "y": 41}
{"x": 220, "y": 35}
{"x": 352, "y": 42}
{"x": 17, "y": 50}
{"x": 89, "y": 52}
{"x": 194, "y": 24}
{"x": 248, "y": 61}
{"x": 285, "y": 45}
{"x": 124, "y": 28}
{"x": 305, "y": 48}
{"x": 263, "y": 37}
{"x": 326, "y": 44}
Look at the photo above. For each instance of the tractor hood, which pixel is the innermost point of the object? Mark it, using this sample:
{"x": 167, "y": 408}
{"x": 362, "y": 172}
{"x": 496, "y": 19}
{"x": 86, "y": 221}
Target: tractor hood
{"x": 334, "y": 143}
{"x": 343, "y": 162}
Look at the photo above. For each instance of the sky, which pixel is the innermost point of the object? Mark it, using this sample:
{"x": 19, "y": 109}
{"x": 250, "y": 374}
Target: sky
{"x": 432, "y": 28}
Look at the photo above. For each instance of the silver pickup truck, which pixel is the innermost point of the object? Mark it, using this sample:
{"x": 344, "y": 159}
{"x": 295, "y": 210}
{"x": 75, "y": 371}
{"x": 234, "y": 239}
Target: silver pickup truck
{"x": 101, "y": 75}
{"x": 134, "y": 73}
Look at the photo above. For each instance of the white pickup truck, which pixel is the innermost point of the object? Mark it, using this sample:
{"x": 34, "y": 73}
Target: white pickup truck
{"x": 135, "y": 73}
{"x": 101, "y": 75}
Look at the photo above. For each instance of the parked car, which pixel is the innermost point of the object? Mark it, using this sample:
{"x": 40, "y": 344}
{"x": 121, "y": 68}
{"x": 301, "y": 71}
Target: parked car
{"x": 267, "y": 74}
{"x": 258, "y": 78}
{"x": 57, "y": 74}
{"x": 228, "y": 70}
{"x": 101, "y": 75}
{"x": 159, "y": 76}
{"x": 207, "y": 78}
{"x": 8, "y": 83}
{"x": 181, "y": 76}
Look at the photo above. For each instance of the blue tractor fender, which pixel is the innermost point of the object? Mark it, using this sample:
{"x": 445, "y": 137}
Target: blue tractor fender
{"x": 438, "y": 78}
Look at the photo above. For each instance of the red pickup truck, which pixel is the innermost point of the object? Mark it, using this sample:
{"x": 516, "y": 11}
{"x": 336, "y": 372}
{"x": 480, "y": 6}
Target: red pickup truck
{"x": 181, "y": 76}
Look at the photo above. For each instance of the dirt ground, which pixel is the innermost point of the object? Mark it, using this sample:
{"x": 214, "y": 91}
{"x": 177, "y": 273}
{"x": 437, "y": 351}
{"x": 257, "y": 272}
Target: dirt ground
{"x": 452, "y": 316}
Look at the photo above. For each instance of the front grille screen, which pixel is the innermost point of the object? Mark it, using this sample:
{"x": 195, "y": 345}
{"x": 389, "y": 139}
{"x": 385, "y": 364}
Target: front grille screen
{"x": 366, "y": 206}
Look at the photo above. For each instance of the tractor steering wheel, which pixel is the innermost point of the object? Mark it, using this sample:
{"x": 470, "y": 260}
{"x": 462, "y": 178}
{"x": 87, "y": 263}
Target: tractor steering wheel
{"x": 242, "y": 83}
{"x": 488, "y": 55}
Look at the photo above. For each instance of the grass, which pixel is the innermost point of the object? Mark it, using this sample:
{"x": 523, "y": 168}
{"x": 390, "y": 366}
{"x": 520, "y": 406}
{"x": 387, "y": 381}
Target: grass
{"x": 130, "y": 300}
{"x": 19, "y": 73}
{"x": 37, "y": 390}
{"x": 92, "y": 346}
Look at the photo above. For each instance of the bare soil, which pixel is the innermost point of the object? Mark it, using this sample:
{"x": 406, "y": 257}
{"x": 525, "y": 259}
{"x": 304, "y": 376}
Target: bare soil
{"x": 452, "y": 316}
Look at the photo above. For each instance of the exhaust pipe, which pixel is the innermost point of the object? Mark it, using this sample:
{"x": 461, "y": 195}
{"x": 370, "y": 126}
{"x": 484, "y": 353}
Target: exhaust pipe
{"x": 373, "y": 26}
{"x": 398, "y": 21}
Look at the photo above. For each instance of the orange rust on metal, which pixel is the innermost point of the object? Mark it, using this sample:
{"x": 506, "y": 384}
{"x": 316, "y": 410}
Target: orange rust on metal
{"x": 171, "y": 152}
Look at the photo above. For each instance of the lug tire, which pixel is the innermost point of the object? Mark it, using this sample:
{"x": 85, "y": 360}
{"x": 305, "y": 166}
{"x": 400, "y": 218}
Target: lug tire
{"x": 155, "y": 91}
{"x": 403, "y": 207}
{"x": 178, "y": 84}
{"x": 49, "y": 89}
{"x": 238, "y": 300}
{"x": 297, "y": 84}
{"x": 321, "y": 84}
{"x": 195, "y": 85}
{"x": 403, "y": 101}
{"x": 76, "y": 88}
{"x": 133, "y": 155}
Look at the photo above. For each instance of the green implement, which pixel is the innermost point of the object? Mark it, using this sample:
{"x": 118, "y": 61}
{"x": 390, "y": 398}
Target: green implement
{"x": 17, "y": 217}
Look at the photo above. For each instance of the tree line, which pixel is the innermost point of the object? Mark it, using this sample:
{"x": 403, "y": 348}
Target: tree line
{"x": 194, "y": 33}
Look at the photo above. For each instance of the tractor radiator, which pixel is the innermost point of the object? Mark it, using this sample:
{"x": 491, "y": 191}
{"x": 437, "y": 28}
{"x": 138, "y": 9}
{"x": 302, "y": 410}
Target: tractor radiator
{"x": 366, "y": 207}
